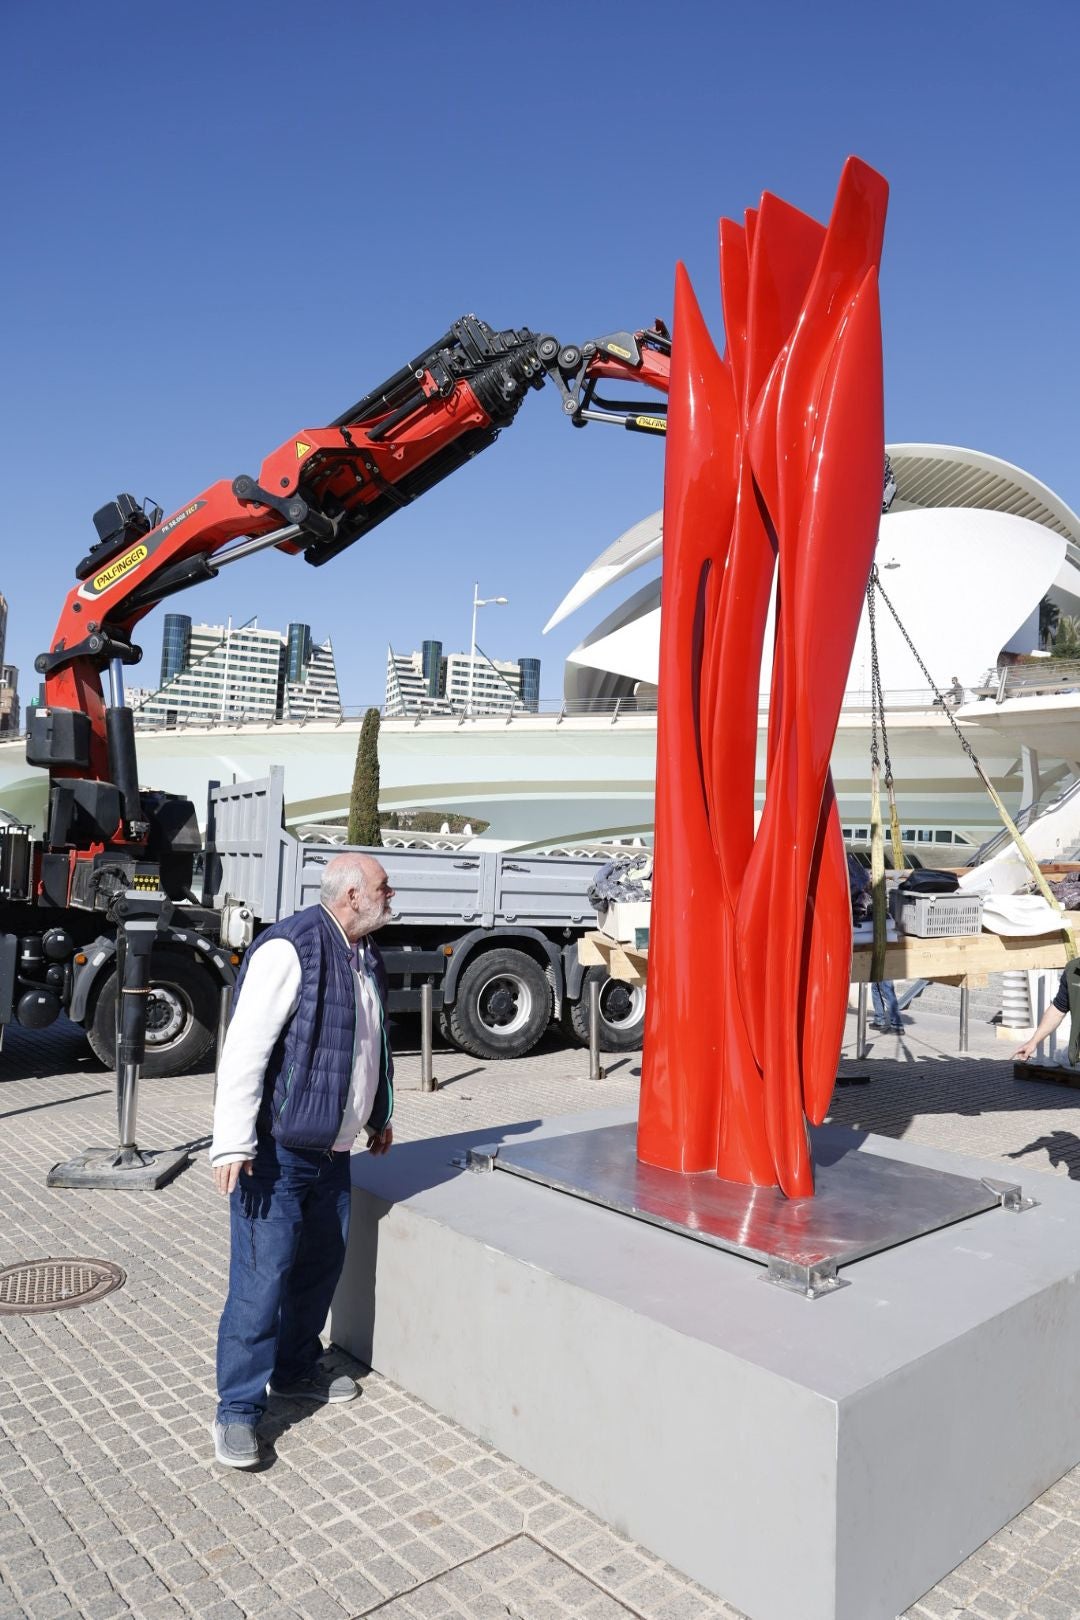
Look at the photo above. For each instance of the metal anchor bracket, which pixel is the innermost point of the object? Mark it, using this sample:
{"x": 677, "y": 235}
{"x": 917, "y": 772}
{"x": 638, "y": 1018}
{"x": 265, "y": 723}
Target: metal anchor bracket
{"x": 477, "y": 1159}
{"x": 1010, "y": 1194}
{"x": 811, "y": 1281}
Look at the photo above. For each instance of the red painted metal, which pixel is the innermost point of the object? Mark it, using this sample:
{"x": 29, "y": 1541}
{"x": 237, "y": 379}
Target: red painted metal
{"x": 341, "y": 466}
{"x": 774, "y": 467}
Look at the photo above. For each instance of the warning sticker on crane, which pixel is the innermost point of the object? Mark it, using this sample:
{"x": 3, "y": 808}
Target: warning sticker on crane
{"x": 301, "y": 449}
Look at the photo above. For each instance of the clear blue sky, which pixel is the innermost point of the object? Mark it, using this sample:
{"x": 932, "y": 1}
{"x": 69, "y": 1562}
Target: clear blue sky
{"x": 225, "y": 223}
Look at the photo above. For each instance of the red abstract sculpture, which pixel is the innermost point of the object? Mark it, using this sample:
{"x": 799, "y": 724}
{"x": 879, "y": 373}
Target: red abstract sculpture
{"x": 774, "y": 464}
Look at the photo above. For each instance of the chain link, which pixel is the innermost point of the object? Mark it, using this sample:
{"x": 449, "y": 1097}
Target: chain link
{"x": 879, "y": 690}
{"x": 875, "y": 580}
{"x": 1014, "y": 832}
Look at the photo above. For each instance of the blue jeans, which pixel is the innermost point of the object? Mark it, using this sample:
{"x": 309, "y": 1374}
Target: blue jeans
{"x": 886, "y": 1006}
{"x": 289, "y": 1223}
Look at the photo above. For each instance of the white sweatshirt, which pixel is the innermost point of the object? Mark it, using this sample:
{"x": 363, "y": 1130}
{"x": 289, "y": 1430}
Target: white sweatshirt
{"x": 270, "y": 996}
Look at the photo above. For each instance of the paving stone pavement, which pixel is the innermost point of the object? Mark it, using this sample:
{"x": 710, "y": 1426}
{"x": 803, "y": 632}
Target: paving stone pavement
{"x": 110, "y": 1504}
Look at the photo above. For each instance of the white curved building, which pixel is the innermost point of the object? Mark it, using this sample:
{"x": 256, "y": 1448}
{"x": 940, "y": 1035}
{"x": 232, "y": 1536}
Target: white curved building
{"x": 967, "y": 551}
{"x": 967, "y": 542}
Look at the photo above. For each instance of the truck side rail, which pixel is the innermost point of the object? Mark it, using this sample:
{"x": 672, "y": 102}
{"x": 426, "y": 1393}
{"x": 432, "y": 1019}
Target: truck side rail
{"x": 249, "y": 854}
{"x": 251, "y": 857}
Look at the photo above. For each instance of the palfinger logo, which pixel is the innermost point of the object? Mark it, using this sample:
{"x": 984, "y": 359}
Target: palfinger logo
{"x": 131, "y": 559}
{"x": 116, "y": 570}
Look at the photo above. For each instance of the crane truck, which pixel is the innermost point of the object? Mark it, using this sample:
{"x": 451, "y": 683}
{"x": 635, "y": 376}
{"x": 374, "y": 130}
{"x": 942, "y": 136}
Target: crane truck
{"x": 100, "y": 918}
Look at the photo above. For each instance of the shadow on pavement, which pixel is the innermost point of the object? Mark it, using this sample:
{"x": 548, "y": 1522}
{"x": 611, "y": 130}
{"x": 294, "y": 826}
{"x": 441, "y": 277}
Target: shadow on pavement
{"x": 283, "y": 1414}
{"x": 36, "y": 1054}
{"x": 54, "y": 1102}
{"x": 465, "y": 1074}
{"x": 916, "y": 1085}
{"x": 1061, "y": 1148}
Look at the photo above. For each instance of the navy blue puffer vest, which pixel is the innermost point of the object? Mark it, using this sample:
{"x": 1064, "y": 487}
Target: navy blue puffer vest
{"x": 309, "y": 1073}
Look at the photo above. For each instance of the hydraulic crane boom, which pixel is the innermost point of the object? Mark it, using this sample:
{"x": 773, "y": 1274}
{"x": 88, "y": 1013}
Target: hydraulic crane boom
{"x": 317, "y": 493}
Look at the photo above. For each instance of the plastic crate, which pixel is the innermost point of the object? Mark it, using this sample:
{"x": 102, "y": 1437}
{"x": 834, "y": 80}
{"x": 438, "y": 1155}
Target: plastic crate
{"x": 935, "y": 916}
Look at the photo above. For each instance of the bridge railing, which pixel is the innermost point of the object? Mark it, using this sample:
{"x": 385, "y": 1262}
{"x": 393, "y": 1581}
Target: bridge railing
{"x": 553, "y": 709}
{"x": 548, "y": 710}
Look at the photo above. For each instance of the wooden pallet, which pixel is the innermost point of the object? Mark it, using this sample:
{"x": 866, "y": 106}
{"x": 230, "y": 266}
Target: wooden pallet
{"x": 966, "y": 960}
{"x": 622, "y": 961}
{"x": 1048, "y": 1073}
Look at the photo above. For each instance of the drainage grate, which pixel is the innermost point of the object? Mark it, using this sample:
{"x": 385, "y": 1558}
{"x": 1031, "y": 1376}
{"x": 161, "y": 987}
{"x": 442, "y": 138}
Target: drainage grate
{"x": 55, "y": 1285}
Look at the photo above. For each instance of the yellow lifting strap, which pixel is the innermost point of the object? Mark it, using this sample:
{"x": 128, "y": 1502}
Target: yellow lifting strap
{"x": 1010, "y": 826}
{"x": 877, "y": 878}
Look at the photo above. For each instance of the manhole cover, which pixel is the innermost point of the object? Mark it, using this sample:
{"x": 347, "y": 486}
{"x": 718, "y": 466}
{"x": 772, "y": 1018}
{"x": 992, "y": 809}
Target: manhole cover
{"x": 55, "y": 1285}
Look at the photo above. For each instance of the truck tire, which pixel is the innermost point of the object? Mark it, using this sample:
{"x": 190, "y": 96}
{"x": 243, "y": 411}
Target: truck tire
{"x": 622, "y": 1013}
{"x": 502, "y": 1006}
{"x": 181, "y": 1017}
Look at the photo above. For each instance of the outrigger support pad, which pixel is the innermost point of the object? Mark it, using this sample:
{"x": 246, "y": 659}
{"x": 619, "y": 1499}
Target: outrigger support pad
{"x": 140, "y": 915}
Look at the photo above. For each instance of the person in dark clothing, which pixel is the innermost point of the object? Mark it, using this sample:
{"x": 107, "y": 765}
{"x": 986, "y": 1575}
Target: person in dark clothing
{"x": 305, "y": 1067}
{"x": 1051, "y": 1018}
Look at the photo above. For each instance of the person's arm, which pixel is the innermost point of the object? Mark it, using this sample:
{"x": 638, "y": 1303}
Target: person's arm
{"x": 1049, "y": 1021}
{"x": 269, "y": 997}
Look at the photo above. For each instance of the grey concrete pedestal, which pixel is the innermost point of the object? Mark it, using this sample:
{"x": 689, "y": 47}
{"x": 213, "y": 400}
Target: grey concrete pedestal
{"x": 825, "y": 1459}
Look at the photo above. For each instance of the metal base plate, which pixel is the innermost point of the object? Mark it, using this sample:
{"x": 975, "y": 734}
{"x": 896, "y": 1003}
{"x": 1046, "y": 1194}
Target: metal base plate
{"x": 864, "y": 1202}
{"x": 97, "y": 1167}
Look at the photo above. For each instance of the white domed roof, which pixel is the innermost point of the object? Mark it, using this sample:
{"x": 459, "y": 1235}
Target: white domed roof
{"x": 940, "y": 475}
{"x": 981, "y": 543}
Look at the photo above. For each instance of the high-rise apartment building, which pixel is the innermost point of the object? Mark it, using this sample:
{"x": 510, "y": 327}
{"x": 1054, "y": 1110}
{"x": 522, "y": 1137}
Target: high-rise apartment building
{"x": 222, "y": 673}
{"x": 409, "y": 684}
{"x": 9, "y": 679}
{"x": 530, "y": 683}
{"x": 175, "y": 645}
{"x": 9, "y": 698}
{"x": 427, "y": 682}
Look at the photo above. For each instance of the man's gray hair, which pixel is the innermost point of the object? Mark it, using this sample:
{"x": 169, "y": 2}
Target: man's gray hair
{"x": 342, "y": 873}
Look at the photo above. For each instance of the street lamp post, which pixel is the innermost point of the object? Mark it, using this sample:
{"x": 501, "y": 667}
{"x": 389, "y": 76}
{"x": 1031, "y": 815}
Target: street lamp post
{"x": 478, "y": 602}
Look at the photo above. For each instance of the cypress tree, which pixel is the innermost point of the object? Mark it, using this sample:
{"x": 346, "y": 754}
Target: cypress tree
{"x": 364, "y": 801}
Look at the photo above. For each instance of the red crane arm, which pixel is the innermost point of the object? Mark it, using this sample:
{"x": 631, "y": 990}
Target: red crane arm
{"x": 324, "y": 488}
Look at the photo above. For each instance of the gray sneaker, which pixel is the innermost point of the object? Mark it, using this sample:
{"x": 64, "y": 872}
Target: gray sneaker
{"x": 235, "y": 1444}
{"x": 321, "y": 1386}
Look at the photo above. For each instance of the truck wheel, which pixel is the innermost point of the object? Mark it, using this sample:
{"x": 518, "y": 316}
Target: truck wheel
{"x": 502, "y": 1006}
{"x": 181, "y": 1017}
{"x": 622, "y": 1013}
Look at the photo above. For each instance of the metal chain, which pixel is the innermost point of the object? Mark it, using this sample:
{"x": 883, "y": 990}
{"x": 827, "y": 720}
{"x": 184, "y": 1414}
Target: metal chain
{"x": 875, "y": 579}
{"x": 877, "y": 848}
{"x": 1014, "y": 832}
{"x": 880, "y": 690}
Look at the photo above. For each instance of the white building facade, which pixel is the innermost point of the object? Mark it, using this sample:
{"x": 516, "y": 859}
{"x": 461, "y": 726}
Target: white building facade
{"x": 408, "y": 688}
{"x": 218, "y": 673}
{"x": 431, "y": 683}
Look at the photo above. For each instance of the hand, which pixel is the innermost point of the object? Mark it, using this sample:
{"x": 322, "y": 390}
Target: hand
{"x": 226, "y": 1176}
{"x": 1022, "y": 1053}
{"x": 379, "y": 1141}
